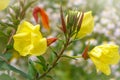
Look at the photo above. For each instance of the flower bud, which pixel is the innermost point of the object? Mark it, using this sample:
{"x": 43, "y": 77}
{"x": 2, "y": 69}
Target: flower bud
{"x": 44, "y": 17}
{"x": 50, "y": 41}
{"x": 85, "y": 52}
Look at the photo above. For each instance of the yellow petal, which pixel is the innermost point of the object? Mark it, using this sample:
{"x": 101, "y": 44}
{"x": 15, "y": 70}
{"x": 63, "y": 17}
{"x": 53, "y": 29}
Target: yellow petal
{"x": 26, "y": 27}
{"x": 28, "y": 40}
{"x": 22, "y": 43}
{"x": 4, "y": 4}
{"x": 101, "y": 66}
{"x": 87, "y": 25}
{"x": 105, "y": 55}
{"x": 110, "y": 54}
{"x": 40, "y": 47}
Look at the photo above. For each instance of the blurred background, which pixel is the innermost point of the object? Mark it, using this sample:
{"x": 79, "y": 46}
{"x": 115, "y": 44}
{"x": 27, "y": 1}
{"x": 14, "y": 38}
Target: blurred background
{"x": 106, "y": 30}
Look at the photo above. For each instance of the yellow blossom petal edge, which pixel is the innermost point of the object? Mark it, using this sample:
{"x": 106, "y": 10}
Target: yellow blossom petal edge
{"x": 4, "y": 4}
{"x": 87, "y": 25}
{"x": 28, "y": 40}
{"x": 105, "y": 55}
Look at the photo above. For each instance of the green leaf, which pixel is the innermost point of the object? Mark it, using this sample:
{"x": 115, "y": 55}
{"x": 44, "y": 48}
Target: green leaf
{"x": 5, "y": 66}
{"x": 72, "y": 57}
{"x": 42, "y": 62}
{"x": 3, "y": 24}
{"x": 10, "y": 46}
{"x": 42, "y": 59}
{"x": 54, "y": 51}
{"x": 32, "y": 72}
{"x": 39, "y": 67}
{"x": 45, "y": 67}
{"x": 29, "y": 4}
{"x": 2, "y": 34}
{"x": 51, "y": 77}
{"x": 6, "y": 77}
{"x": 52, "y": 57}
{"x": 6, "y": 56}
{"x": 18, "y": 71}
{"x": 3, "y": 41}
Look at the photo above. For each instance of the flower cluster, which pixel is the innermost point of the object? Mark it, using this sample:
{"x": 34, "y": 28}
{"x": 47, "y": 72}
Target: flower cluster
{"x": 75, "y": 26}
{"x": 34, "y": 44}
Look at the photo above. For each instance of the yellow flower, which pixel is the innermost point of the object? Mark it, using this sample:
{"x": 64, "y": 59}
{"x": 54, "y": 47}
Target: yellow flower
{"x": 87, "y": 25}
{"x": 103, "y": 56}
{"x": 4, "y": 4}
{"x": 28, "y": 40}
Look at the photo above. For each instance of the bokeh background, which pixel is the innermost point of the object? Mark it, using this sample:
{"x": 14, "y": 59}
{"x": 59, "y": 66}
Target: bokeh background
{"x": 106, "y": 30}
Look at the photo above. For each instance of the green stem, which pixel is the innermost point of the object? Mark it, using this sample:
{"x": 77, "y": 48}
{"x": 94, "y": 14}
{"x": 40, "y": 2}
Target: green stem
{"x": 73, "y": 57}
{"x": 56, "y": 60}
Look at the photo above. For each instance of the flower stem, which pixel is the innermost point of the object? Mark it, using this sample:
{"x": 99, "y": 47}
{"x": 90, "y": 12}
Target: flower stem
{"x": 56, "y": 60}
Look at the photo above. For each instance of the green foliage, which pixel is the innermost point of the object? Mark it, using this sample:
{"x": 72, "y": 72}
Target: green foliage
{"x": 6, "y": 77}
{"x": 32, "y": 71}
{"x": 52, "y": 57}
{"x": 42, "y": 62}
{"x": 6, "y": 56}
{"x": 3, "y": 41}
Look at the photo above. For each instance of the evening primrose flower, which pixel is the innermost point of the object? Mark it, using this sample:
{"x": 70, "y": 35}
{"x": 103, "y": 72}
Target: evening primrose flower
{"x": 103, "y": 56}
{"x": 4, "y": 4}
{"x": 87, "y": 25}
{"x": 28, "y": 40}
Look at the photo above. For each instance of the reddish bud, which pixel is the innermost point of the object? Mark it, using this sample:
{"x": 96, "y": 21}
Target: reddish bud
{"x": 62, "y": 21}
{"x": 44, "y": 17}
{"x": 80, "y": 20}
{"x": 50, "y": 41}
{"x": 85, "y": 52}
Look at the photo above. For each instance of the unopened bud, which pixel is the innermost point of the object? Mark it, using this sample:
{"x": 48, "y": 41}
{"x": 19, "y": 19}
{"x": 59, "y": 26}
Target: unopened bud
{"x": 85, "y": 52}
{"x": 62, "y": 21}
{"x": 50, "y": 41}
{"x": 44, "y": 17}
